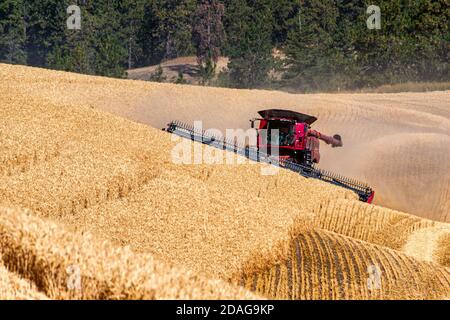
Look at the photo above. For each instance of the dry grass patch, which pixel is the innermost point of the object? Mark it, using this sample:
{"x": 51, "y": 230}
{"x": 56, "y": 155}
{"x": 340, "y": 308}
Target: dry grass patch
{"x": 411, "y": 87}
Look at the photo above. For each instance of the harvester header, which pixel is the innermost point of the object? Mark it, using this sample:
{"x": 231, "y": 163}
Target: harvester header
{"x": 285, "y": 139}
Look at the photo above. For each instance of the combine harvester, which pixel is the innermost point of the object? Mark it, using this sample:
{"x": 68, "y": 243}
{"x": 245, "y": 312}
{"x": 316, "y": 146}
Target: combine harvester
{"x": 284, "y": 139}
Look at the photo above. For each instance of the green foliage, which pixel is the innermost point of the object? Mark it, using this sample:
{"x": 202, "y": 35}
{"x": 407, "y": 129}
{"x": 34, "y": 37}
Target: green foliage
{"x": 110, "y": 57}
{"x": 285, "y": 18}
{"x": 334, "y": 49}
{"x": 326, "y": 43}
{"x": 45, "y": 22}
{"x": 166, "y": 30}
{"x": 170, "y": 29}
{"x": 311, "y": 50}
{"x": 12, "y": 31}
{"x": 249, "y": 25}
{"x": 208, "y": 36}
{"x": 131, "y": 15}
{"x": 96, "y": 48}
{"x": 158, "y": 75}
{"x": 180, "y": 79}
{"x": 207, "y": 70}
{"x": 223, "y": 80}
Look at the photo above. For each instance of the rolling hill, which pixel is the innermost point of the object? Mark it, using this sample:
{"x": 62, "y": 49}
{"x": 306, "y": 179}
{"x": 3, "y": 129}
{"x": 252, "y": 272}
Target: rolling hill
{"x": 99, "y": 191}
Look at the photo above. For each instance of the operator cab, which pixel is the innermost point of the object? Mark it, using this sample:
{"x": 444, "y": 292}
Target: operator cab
{"x": 280, "y": 133}
{"x": 287, "y": 132}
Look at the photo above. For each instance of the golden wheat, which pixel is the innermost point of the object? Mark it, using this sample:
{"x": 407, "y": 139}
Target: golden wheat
{"x": 69, "y": 184}
{"x": 92, "y": 171}
{"x": 362, "y": 119}
{"x": 421, "y": 238}
{"x": 48, "y": 256}
{"x": 13, "y": 287}
{"x": 122, "y": 174}
{"x": 210, "y": 228}
{"x": 321, "y": 265}
{"x": 430, "y": 244}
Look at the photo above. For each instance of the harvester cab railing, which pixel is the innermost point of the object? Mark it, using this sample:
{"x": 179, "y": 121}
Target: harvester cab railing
{"x": 252, "y": 122}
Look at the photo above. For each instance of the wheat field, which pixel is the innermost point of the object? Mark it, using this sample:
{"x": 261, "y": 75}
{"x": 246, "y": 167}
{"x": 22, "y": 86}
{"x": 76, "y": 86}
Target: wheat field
{"x": 378, "y": 129}
{"x": 322, "y": 265}
{"x": 48, "y": 255}
{"x": 12, "y": 287}
{"x": 100, "y": 191}
{"x": 423, "y": 239}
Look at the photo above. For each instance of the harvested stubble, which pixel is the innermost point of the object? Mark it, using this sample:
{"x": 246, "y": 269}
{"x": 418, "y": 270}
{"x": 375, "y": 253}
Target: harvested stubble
{"x": 72, "y": 182}
{"x": 47, "y": 255}
{"x": 116, "y": 178}
{"x": 421, "y": 238}
{"x": 408, "y": 184}
{"x": 378, "y": 129}
{"x": 239, "y": 245}
{"x": 209, "y": 227}
{"x": 73, "y": 156}
{"x": 12, "y": 287}
{"x": 319, "y": 264}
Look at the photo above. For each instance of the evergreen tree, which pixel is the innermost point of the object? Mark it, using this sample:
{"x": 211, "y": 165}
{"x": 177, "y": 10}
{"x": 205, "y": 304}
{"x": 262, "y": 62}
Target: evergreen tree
{"x": 96, "y": 48}
{"x": 285, "y": 17}
{"x": 327, "y": 43}
{"x": 45, "y": 27}
{"x": 149, "y": 39}
{"x": 310, "y": 45}
{"x": 208, "y": 36}
{"x": 412, "y": 44}
{"x": 180, "y": 79}
{"x": 131, "y": 15}
{"x": 158, "y": 75}
{"x": 249, "y": 34}
{"x": 173, "y": 31}
{"x": 12, "y": 31}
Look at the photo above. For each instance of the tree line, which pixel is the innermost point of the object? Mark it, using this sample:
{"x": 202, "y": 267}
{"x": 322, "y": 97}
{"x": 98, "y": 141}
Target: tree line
{"x": 320, "y": 44}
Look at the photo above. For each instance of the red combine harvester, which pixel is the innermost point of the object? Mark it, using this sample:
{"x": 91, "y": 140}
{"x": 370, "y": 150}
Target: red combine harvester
{"x": 291, "y": 135}
{"x": 285, "y": 139}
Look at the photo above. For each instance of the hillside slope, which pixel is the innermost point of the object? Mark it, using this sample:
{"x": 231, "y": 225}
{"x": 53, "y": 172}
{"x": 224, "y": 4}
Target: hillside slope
{"x": 65, "y": 265}
{"x": 187, "y": 66}
{"x": 93, "y": 172}
{"x": 379, "y": 130}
